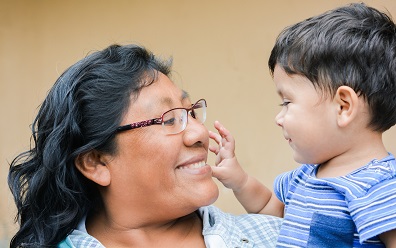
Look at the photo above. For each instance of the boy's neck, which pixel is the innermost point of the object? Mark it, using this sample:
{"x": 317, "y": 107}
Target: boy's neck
{"x": 360, "y": 153}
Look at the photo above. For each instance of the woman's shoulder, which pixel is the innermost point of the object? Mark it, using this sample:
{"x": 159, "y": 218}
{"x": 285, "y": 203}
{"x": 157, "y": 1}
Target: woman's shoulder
{"x": 257, "y": 229}
{"x": 79, "y": 237}
{"x": 213, "y": 214}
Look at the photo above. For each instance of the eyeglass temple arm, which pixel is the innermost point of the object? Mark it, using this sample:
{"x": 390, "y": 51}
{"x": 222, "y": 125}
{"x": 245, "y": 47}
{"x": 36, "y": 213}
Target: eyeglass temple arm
{"x": 139, "y": 124}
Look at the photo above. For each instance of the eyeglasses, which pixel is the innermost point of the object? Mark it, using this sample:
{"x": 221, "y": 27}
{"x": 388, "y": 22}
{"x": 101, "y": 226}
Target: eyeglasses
{"x": 173, "y": 121}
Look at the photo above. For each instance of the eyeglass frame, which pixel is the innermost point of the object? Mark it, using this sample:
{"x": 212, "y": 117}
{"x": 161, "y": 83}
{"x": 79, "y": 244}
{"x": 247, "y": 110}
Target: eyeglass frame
{"x": 159, "y": 120}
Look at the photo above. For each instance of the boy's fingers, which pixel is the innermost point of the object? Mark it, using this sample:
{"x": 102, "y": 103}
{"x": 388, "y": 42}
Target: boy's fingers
{"x": 224, "y": 133}
{"x": 229, "y": 138}
{"x": 216, "y": 172}
{"x": 214, "y": 149}
{"x": 216, "y": 137}
{"x": 218, "y": 125}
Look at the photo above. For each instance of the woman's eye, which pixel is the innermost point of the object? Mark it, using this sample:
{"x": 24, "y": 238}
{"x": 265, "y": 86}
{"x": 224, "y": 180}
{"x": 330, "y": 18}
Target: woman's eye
{"x": 170, "y": 122}
{"x": 192, "y": 113}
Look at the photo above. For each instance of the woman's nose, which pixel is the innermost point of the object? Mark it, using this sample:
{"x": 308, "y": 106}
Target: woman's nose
{"x": 195, "y": 133}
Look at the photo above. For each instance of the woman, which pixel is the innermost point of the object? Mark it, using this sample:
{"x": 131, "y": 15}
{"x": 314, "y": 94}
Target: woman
{"x": 119, "y": 160}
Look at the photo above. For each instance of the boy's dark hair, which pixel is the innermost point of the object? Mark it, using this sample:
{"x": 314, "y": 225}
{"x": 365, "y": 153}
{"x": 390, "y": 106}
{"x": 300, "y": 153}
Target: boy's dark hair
{"x": 354, "y": 45}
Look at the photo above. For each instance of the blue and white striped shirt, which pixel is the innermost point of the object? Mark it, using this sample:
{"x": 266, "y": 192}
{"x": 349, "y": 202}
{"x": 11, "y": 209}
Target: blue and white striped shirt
{"x": 346, "y": 211}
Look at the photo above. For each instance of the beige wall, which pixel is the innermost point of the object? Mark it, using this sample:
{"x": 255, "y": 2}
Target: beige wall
{"x": 220, "y": 50}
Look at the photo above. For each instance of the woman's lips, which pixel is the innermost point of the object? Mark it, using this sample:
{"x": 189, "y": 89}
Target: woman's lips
{"x": 193, "y": 166}
{"x": 198, "y": 168}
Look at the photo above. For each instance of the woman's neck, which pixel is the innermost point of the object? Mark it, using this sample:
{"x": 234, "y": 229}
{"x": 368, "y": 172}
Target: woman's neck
{"x": 182, "y": 232}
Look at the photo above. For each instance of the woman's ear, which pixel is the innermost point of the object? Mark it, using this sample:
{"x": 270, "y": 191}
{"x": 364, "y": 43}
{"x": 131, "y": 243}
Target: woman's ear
{"x": 347, "y": 102}
{"x": 93, "y": 167}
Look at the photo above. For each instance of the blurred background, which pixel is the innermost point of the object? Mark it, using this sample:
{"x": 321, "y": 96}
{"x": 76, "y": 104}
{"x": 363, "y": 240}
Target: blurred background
{"x": 220, "y": 51}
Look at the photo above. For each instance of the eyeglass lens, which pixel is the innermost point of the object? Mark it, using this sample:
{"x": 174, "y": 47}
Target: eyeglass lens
{"x": 198, "y": 111}
{"x": 175, "y": 121}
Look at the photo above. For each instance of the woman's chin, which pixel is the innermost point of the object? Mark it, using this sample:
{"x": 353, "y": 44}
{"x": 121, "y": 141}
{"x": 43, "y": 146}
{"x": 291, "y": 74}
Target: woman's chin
{"x": 210, "y": 195}
{"x": 215, "y": 196}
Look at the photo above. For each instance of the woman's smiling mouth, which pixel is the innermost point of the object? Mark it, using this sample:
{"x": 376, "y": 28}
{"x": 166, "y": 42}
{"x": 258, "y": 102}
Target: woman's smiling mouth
{"x": 193, "y": 166}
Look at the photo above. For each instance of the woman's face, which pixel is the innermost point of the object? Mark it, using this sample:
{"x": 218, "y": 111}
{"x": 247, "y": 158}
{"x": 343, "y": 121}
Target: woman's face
{"x": 156, "y": 173}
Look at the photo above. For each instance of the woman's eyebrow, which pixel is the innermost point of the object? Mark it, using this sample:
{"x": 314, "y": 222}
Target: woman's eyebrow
{"x": 185, "y": 95}
{"x": 169, "y": 101}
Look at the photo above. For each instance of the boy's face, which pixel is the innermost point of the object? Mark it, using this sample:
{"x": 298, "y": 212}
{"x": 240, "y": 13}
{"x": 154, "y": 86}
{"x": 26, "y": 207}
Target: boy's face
{"x": 308, "y": 120}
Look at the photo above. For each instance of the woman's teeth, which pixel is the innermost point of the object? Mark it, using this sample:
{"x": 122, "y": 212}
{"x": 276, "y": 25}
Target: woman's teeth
{"x": 193, "y": 166}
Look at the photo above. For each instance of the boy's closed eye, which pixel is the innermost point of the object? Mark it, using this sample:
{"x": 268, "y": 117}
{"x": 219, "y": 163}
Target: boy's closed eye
{"x": 284, "y": 103}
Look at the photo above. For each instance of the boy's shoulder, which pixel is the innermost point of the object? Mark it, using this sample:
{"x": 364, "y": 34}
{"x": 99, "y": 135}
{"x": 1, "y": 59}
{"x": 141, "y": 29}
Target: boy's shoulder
{"x": 382, "y": 169}
{"x": 376, "y": 171}
{"x": 376, "y": 175}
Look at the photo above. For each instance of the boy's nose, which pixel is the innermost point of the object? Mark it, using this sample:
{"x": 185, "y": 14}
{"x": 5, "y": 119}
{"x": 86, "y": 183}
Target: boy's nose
{"x": 279, "y": 120}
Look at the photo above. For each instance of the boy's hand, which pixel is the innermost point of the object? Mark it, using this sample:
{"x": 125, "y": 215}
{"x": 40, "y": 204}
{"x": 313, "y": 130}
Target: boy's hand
{"x": 227, "y": 169}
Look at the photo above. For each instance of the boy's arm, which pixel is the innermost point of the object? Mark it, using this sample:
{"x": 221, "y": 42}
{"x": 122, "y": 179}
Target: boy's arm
{"x": 257, "y": 198}
{"x": 254, "y": 196}
{"x": 389, "y": 238}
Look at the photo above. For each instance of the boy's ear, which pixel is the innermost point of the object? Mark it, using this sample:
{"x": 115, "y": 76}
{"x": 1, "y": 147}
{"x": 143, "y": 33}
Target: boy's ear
{"x": 93, "y": 166}
{"x": 347, "y": 102}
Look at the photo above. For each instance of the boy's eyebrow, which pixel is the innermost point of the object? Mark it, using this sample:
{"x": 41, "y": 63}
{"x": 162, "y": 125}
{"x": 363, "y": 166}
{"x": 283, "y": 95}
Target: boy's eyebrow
{"x": 280, "y": 92}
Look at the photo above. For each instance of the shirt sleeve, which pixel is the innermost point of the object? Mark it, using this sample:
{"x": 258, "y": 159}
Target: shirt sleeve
{"x": 375, "y": 212}
{"x": 281, "y": 185}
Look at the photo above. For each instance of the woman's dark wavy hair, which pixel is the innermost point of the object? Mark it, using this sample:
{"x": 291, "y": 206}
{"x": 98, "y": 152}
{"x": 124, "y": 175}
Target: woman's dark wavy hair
{"x": 354, "y": 45}
{"x": 80, "y": 114}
